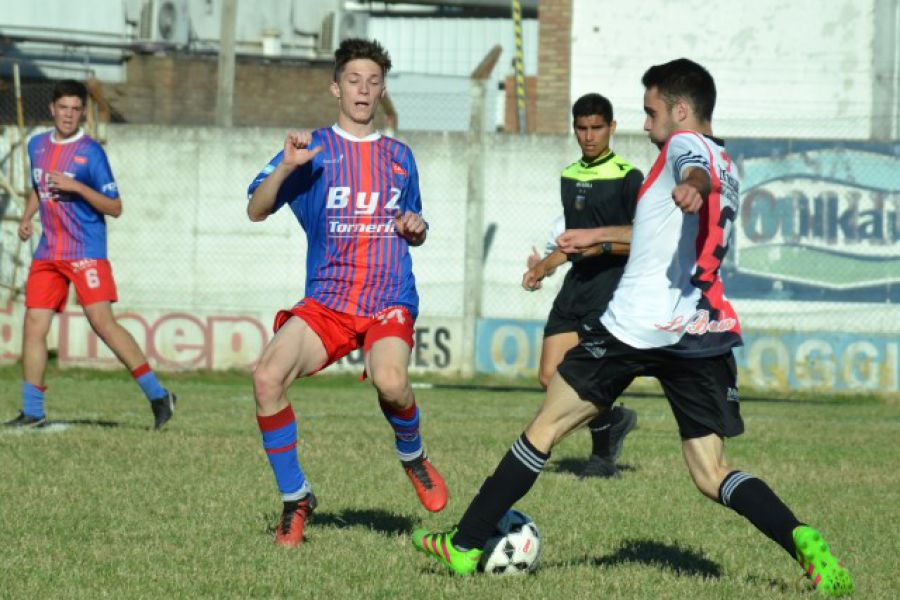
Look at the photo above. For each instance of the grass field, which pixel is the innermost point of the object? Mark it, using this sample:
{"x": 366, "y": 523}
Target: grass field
{"x": 102, "y": 507}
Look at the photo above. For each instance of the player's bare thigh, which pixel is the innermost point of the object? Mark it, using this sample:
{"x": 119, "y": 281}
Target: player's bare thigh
{"x": 561, "y": 413}
{"x": 705, "y": 459}
{"x": 387, "y": 364}
{"x": 294, "y": 352}
{"x": 553, "y": 350}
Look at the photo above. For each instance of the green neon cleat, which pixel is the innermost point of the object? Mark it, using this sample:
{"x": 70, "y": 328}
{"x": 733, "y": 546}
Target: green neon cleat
{"x": 827, "y": 574}
{"x": 438, "y": 545}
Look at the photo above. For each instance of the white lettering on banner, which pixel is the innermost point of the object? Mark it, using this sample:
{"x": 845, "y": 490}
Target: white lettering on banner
{"x": 858, "y": 364}
{"x": 519, "y": 360}
{"x": 816, "y": 363}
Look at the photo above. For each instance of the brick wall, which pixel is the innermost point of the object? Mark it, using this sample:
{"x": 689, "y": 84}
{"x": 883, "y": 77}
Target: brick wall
{"x": 181, "y": 90}
{"x": 554, "y": 65}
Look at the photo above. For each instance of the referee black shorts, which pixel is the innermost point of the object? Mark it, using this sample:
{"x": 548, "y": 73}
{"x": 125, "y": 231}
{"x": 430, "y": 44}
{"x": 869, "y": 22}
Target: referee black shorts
{"x": 702, "y": 391}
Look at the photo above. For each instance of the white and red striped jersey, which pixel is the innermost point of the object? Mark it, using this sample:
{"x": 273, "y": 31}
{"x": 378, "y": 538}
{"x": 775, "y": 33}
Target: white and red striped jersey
{"x": 671, "y": 295}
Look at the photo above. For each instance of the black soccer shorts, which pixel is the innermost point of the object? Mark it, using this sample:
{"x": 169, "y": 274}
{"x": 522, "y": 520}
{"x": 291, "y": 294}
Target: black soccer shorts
{"x": 702, "y": 391}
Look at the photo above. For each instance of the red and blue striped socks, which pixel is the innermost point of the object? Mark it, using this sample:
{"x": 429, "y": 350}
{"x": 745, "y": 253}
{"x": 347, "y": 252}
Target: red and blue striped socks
{"x": 146, "y": 378}
{"x": 405, "y": 423}
{"x": 279, "y": 439}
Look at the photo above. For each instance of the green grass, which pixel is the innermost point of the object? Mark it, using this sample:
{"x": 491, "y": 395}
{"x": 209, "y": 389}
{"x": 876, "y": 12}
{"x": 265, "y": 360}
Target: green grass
{"x": 90, "y": 511}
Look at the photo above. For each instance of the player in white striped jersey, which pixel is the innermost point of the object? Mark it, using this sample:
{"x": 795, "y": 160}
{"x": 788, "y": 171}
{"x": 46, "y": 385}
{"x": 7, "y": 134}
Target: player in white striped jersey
{"x": 668, "y": 319}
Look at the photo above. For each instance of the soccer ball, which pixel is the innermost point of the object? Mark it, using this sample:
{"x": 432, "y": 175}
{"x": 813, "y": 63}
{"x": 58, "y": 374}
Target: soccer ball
{"x": 515, "y": 547}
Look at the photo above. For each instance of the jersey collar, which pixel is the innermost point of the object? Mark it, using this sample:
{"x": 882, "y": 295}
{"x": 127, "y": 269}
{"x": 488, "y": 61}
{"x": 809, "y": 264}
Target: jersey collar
{"x": 375, "y": 135}
{"x": 597, "y": 161}
{"x": 74, "y": 138}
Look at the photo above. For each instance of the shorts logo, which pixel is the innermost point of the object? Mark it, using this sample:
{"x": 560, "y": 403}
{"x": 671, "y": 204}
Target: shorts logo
{"x": 84, "y": 263}
{"x": 391, "y": 313}
{"x": 732, "y": 395}
{"x": 596, "y": 349}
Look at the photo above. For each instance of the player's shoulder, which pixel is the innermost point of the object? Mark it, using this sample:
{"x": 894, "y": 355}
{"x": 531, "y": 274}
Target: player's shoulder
{"x": 571, "y": 170}
{"x": 687, "y": 137}
{"x": 91, "y": 144}
{"x": 39, "y": 138}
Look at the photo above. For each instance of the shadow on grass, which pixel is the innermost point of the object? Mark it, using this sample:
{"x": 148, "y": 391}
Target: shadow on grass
{"x": 574, "y": 466}
{"x": 378, "y": 521}
{"x": 775, "y": 585}
{"x": 84, "y": 422}
{"x": 678, "y": 559}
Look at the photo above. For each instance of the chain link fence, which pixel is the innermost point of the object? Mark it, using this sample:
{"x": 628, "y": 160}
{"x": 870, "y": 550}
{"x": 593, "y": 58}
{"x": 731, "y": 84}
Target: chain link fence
{"x": 814, "y": 269}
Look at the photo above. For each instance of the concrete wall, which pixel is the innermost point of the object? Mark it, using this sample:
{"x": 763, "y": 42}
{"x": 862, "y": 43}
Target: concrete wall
{"x": 797, "y": 69}
{"x": 199, "y": 283}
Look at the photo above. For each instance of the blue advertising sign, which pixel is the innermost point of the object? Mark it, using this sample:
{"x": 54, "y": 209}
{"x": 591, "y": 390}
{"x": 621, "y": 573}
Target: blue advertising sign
{"x": 818, "y": 221}
{"x": 775, "y": 360}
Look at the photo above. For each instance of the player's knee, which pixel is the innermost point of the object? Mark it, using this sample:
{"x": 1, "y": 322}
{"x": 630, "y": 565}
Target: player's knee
{"x": 708, "y": 481}
{"x": 35, "y": 327}
{"x": 268, "y": 384}
{"x": 391, "y": 382}
{"x": 544, "y": 377}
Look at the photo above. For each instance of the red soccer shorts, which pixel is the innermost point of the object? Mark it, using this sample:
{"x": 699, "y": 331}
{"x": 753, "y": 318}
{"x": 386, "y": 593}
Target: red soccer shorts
{"x": 342, "y": 333}
{"x": 48, "y": 282}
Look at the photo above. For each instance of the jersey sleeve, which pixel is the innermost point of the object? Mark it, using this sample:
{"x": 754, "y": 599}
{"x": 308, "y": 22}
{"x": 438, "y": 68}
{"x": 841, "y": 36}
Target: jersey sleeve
{"x": 684, "y": 151}
{"x": 634, "y": 179}
{"x": 32, "y": 171}
{"x": 290, "y": 188}
{"x": 412, "y": 200}
{"x": 556, "y": 230}
{"x": 101, "y": 174}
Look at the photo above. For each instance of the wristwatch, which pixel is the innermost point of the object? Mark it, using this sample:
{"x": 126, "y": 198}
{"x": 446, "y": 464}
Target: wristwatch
{"x": 606, "y": 247}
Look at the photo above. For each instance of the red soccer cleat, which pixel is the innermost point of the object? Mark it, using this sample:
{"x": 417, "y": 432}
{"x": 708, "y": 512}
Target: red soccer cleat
{"x": 429, "y": 484}
{"x": 289, "y": 532}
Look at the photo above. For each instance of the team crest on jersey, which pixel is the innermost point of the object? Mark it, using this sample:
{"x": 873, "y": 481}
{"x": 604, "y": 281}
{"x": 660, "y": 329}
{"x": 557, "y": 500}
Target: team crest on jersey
{"x": 398, "y": 170}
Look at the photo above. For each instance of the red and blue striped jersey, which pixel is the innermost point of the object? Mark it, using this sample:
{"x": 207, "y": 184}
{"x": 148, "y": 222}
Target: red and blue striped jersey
{"x": 72, "y": 228}
{"x": 346, "y": 199}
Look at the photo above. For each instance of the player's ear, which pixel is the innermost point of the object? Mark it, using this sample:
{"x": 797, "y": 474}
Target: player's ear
{"x": 335, "y": 89}
{"x": 612, "y": 128}
{"x": 681, "y": 110}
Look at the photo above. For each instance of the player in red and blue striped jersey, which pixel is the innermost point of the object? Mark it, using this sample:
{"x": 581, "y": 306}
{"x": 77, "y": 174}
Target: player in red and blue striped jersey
{"x": 74, "y": 189}
{"x": 356, "y": 194}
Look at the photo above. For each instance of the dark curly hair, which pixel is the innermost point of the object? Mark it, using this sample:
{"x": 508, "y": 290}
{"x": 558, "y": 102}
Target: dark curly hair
{"x": 355, "y": 48}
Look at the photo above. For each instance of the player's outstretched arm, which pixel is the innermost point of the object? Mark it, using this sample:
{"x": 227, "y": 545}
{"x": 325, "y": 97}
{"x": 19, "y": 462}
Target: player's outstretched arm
{"x": 411, "y": 227}
{"x": 26, "y": 228}
{"x": 103, "y": 204}
{"x": 532, "y": 278}
{"x": 579, "y": 241}
{"x": 693, "y": 191}
{"x": 297, "y": 152}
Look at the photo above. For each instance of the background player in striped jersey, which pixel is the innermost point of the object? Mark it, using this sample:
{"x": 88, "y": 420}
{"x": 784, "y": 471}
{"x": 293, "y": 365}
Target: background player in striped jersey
{"x": 74, "y": 189}
{"x": 598, "y": 190}
{"x": 356, "y": 194}
{"x": 669, "y": 319}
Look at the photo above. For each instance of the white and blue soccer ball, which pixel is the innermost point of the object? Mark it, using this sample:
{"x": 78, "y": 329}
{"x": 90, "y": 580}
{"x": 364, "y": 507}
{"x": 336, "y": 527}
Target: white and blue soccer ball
{"x": 515, "y": 547}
